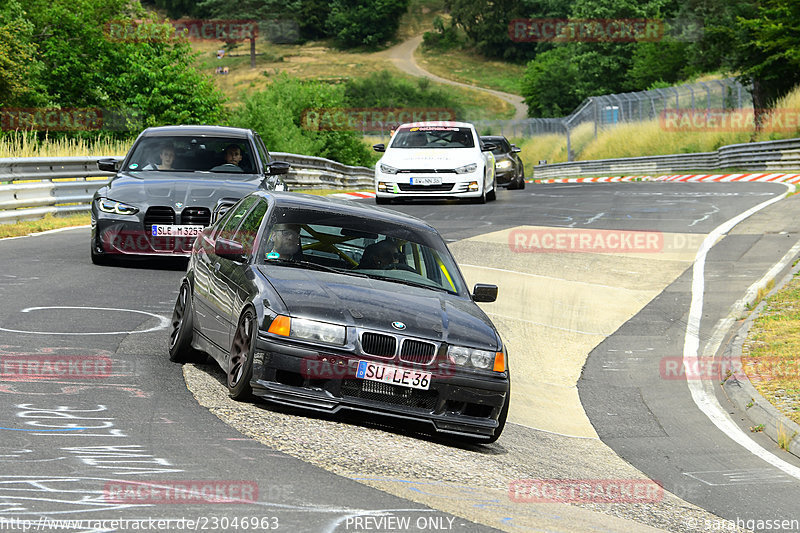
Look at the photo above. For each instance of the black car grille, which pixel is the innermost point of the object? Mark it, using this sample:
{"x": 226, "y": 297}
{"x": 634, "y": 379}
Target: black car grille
{"x": 391, "y": 394}
{"x": 159, "y": 215}
{"x": 378, "y": 345}
{"x": 428, "y": 171}
{"x": 200, "y": 216}
{"x": 420, "y": 352}
{"x": 407, "y": 187}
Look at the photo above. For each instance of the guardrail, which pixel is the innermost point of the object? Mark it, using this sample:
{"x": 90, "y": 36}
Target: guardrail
{"x": 765, "y": 156}
{"x": 31, "y": 187}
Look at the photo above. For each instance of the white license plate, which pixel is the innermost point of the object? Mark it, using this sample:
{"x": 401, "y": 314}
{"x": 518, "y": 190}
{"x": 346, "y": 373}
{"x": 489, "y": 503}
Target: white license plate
{"x": 404, "y": 377}
{"x": 426, "y": 181}
{"x": 161, "y": 230}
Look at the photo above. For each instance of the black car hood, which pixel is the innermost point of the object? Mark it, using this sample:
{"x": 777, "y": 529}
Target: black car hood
{"x": 374, "y": 304}
{"x": 190, "y": 188}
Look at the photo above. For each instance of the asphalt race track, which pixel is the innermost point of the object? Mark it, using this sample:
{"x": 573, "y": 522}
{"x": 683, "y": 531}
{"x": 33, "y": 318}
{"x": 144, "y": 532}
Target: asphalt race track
{"x": 588, "y": 330}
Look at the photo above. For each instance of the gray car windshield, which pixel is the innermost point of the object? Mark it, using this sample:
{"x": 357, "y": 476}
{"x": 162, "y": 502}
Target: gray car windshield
{"x": 360, "y": 246}
{"x": 433, "y": 137}
{"x": 224, "y": 155}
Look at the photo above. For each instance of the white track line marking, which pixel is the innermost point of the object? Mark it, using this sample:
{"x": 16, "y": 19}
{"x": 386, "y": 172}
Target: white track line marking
{"x": 163, "y": 321}
{"x": 704, "y": 398}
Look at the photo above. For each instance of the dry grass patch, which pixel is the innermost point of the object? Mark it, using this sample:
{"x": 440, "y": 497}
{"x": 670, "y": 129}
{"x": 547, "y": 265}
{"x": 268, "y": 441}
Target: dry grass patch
{"x": 771, "y": 356}
{"x": 22, "y": 144}
{"x": 49, "y": 222}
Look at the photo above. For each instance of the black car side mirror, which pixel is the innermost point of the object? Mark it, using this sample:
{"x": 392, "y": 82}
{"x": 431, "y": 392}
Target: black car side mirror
{"x": 278, "y": 167}
{"x": 108, "y": 165}
{"x": 488, "y": 147}
{"x": 515, "y": 149}
{"x": 484, "y": 293}
{"x": 379, "y": 147}
{"x": 231, "y": 250}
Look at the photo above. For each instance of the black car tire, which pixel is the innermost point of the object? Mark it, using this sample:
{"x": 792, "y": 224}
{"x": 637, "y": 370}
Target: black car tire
{"x": 492, "y": 196}
{"x": 180, "y": 340}
{"x": 99, "y": 259}
{"x": 521, "y": 177}
{"x": 240, "y": 363}
{"x": 480, "y": 199}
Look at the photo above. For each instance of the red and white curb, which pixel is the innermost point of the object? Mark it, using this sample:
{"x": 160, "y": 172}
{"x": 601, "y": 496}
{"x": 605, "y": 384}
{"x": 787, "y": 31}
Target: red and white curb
{"x": 353, "y": 195}
{"x": 785, "y": 178}
{"x": 693, "y": 178}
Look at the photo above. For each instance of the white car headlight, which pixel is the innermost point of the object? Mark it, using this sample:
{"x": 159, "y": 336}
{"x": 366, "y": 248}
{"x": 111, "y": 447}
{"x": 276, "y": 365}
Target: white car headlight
{"x": 466, "y": 169}
{"x": 503, "y": 164}
{"x": 386, "y": 169}
{"x": 310, "y": 330}
{"x": 118, "y": 208}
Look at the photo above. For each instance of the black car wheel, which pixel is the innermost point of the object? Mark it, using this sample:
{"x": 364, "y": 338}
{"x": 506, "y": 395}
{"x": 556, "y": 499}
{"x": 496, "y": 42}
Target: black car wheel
{"x": 180, "y": 338}
{"x": 501, "y": 420}
{"x": 98, "y": 259}
{"x": 492, "y": 196}
{"x": 240, "y": 364}
{"x": 521, "y": 183}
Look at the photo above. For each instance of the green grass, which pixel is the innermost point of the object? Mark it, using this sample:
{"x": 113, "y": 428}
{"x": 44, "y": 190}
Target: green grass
{"x": 49, "y": 222}
{"x": 468, "y": 67}
{"x": 772, "y": 350}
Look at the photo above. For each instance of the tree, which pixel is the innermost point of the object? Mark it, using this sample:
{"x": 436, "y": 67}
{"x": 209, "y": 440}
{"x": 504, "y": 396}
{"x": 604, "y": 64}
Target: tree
{"x": 84, "y": 64}
{"x": 369, "y": 23}
{"x": 767, "y": 50}
{"x": 550, "y": 84}
{"x": 19, "y": 68}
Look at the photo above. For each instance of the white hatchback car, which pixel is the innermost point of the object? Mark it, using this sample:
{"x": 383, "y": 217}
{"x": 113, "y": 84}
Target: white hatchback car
{"x": 435, "y": 159}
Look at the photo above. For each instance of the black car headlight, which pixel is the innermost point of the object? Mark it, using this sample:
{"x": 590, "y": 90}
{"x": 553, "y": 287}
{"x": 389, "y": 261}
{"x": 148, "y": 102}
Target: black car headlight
{"x": 503, "y": 165}
{"x": 483, "y": 359}
{"x": 308, "y": 330}
{"x": 118, "y": 208}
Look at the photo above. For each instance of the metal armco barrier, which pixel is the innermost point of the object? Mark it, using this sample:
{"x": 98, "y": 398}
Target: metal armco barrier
{"x": 768, "y": 156}
{"x": 31, "y": 187}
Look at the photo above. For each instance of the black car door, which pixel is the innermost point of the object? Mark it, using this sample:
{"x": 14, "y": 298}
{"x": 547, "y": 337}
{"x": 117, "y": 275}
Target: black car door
{"x": 216, "y": 323}
{"x": 230, "y": 278}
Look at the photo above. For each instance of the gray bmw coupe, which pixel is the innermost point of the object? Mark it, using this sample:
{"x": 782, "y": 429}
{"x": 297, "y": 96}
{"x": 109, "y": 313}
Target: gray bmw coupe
{"x": 175, "y": 181}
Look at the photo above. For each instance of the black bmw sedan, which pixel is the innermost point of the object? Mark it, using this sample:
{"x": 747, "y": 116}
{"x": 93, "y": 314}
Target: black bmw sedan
{"x": 175, "y": 181}
{"x": 332, "y": 305}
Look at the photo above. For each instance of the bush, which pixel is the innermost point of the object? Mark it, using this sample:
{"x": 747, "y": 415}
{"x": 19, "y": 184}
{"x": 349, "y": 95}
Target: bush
{"x": 384, "y": 90}
{"x": 276, "y": 113}
{"x": 367, "y": 23}
{"x": 444, "y": 38}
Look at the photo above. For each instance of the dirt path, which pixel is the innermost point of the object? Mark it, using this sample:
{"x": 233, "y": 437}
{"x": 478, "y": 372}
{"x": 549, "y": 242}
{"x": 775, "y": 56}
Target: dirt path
{"x": 402, "y": 55}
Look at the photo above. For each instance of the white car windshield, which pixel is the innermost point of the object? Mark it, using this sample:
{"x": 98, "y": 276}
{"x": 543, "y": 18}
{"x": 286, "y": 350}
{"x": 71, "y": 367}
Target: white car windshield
{"x": 433, "y": 137}
{"x": 192, "y": 154}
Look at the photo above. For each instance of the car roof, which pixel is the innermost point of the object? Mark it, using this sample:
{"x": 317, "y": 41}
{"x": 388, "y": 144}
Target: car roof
{"x": 444, "y": 123}
{"x": 344, "y": 207}
{"x": 165, "y": 131}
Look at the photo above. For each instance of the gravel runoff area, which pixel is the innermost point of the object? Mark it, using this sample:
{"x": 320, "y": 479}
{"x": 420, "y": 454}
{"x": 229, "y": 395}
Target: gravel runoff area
{"x": 464, "y": 480}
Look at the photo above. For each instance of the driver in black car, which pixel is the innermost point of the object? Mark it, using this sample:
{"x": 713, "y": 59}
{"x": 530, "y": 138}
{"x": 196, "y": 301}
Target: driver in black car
{"x": 286, "y": 242}
{"x": 378, "y": 256}
{"x": 233, "y": 155}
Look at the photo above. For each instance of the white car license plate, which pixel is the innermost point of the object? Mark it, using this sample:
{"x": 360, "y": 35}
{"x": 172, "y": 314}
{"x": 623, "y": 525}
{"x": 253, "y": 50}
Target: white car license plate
{"x": 405, "y": 377}
{"x": 161, "y": 230}
{"x": 426, "y": 181}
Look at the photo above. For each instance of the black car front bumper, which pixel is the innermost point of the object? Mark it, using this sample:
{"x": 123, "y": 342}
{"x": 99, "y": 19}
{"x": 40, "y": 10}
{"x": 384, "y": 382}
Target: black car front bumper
{"x": 457, "y": 402}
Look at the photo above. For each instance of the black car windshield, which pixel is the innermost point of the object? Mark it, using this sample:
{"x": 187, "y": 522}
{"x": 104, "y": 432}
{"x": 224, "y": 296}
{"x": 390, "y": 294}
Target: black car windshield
{"x": 187, "y": 153}
{"x": 433, "y": 137}
{"x": 302, "y": 238}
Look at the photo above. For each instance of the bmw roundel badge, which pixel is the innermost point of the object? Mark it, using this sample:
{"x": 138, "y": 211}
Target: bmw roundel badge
{"x": 178, "y": 205}
{"x": 398, "y": 325}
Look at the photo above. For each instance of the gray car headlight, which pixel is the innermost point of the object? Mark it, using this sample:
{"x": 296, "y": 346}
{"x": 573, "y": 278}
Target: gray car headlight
{"x": 386, "y": 169}
{"x": 118, "y": 208}
{"x": 309, "y": 330}
{"x": 466, "y": 169}
{"x": 483, "y": 359}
